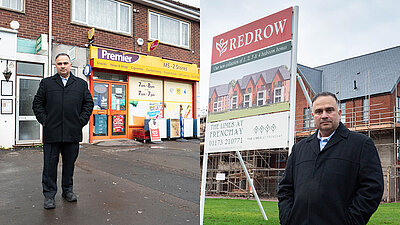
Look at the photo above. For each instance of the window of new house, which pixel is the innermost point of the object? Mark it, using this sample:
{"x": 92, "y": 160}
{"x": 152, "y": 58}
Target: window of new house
{"x": 168, "y": 30}
{"x": 247, "y": 100}
{"x": 234, "y": 102}
{"x": 103, "y": 14}
{"x": 261, "y": 98}
{"x": 278, "y": 95}
{"x": 12, "y": 4}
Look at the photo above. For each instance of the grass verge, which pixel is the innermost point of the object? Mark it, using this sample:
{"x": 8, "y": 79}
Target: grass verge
{"x": 244, "y": 212}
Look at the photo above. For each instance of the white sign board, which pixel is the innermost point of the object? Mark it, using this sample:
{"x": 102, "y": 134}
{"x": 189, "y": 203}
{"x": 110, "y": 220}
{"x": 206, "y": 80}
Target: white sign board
{"x": 249, "y": 84}
{"x": 220, "y": 176}
{"x": 250, "y": 133}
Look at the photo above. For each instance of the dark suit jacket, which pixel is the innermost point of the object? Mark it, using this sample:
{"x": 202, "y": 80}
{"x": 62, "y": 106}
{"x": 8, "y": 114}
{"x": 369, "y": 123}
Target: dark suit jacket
{"x": 342, "y": 184}
{"x": 62, "y": 111}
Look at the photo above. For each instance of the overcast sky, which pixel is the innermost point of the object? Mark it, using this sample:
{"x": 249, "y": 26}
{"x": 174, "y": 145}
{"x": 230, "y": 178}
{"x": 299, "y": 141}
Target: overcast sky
{"x": 329, "y": 30}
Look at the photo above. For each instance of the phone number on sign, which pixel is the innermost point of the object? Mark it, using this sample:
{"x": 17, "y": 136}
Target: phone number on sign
{"x": 228, "y": 141}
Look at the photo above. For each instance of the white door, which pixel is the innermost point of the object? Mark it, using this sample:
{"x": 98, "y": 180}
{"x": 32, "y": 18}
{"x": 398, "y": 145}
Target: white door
{"x": 29, "y": 131}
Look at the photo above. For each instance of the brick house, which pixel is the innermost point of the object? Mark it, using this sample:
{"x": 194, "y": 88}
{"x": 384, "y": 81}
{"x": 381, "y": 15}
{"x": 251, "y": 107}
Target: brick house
{"x": 169, "y": 75}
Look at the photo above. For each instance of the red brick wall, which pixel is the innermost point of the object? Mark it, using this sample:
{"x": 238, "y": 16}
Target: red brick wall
{"x": 35, "y": 21}
{"x": 32, "y": 23}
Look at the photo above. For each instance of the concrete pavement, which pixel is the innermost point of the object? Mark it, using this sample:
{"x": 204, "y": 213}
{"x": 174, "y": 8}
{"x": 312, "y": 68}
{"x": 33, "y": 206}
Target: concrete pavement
{"x": 117, "y": 182}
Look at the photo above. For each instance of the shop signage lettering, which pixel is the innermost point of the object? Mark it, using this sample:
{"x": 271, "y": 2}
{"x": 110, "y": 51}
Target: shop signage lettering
{"x": 117, "y": 56}
{"x": 247, "y": 38}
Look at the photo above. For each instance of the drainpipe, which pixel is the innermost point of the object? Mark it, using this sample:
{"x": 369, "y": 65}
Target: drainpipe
{"x": 50, "y": 35}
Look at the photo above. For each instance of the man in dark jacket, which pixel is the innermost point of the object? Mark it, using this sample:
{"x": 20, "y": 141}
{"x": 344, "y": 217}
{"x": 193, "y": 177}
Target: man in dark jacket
{"x": 63, "y": 105}
{"x": 332, "y": 177}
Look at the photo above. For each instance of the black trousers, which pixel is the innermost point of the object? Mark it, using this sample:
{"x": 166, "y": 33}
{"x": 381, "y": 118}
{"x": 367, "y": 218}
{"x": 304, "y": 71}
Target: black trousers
{"x": 51, "y": 153}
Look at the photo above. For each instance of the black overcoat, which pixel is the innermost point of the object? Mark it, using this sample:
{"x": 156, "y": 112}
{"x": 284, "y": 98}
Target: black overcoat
{"x": 62, "y": 110}
{"x": 342, "y": 184}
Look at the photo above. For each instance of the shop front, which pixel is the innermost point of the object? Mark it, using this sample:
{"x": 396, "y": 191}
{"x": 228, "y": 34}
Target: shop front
{"x": 129, "y": 89}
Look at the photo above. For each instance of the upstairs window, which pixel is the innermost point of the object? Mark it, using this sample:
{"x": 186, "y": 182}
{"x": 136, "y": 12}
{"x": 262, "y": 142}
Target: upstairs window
{"x": 12, "y": 4}
{"x": 247, "y": 100}
{"x": 261, "y": 98}
{"x": 398, "y": 109}
{"x": 168, "y": 30}
{"x": 365, "y": 110}
{"x": 343, "y": 108}
{"x": 234, "y": 102}
{"x": 278, "y": 95}
{"x": 308, "y": 122}
{"x": 103, "y": 14}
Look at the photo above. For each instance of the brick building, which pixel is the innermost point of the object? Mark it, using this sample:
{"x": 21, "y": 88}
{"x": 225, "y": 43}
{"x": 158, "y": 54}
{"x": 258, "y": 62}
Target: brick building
{"x": 129, "y": 84}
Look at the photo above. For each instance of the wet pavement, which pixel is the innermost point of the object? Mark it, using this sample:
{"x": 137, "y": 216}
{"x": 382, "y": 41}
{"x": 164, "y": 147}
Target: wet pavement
{"x": 117, "y": 182}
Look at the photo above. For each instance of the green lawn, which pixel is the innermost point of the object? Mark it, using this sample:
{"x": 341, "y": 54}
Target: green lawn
{"x": 245, "y": 212}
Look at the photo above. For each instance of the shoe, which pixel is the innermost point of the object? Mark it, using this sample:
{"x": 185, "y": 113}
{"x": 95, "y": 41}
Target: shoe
{"x": 49, "y": 203}
{"x": 70, "y": 196}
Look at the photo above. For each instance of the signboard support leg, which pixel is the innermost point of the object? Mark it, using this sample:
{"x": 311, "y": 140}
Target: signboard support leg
{"x": 203, "y": 186}
{"x": 251, "y": 184}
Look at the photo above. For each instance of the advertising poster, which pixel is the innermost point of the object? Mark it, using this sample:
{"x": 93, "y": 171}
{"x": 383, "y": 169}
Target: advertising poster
{"x": 154, "y": 130}
{"x": 178, "y": 100}
{"x": 145, "y": 100}
{"x": 118, "y": 124}
{"x": 250, "y": 86}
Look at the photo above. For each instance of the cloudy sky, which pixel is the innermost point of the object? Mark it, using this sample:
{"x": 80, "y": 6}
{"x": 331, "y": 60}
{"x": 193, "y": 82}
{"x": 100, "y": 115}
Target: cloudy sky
{"x": 329, "y": 30}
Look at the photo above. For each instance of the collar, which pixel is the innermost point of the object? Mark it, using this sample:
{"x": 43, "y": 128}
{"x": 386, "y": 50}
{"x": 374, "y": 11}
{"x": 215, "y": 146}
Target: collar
{"x": 62, "y": 78}
{"x": 325, "y": 138}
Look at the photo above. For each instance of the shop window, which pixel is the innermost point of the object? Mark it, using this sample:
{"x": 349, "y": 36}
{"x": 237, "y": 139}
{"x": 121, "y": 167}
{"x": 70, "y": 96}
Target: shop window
{"x": 17, "y": 5}
{"x": 247, "y": 100}
{"x": 169, "y": 30}
{"x": 103, "y": 14}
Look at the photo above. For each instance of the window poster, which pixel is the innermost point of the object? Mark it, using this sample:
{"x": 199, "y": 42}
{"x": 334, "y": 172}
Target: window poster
{"x": 145, "y": 100}
{"x": 178, "y": 100}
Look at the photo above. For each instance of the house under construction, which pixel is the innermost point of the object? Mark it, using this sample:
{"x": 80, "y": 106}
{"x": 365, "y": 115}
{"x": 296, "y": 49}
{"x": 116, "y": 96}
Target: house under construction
{"x": 368, "y": 90}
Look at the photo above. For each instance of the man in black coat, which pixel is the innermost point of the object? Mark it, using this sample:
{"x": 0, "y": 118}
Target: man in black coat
{"x": 332, "y": 177}
{"x": 63, "y": 105}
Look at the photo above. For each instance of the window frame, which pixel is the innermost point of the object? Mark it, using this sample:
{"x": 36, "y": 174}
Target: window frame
{"x": 343, "y": 108}
{"x": 262, "y": 99}
{"x": 158, "y": 14}
{"x": 398, "y": 109}
{"x": 281, "y": 96}
{"x": 29, "y": 75}
{"x": 365, "y": 111}
{"x": 308, "y": 119}
{"x": 118, "y": 30}
{"x": 234, "y": 103}
{"x": 249, "y": 101}
{"x": 22, "y": 10}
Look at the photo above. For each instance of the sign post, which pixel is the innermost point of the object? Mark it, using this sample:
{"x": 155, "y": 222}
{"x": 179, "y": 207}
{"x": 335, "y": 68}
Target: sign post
{"x": 253, "y": 68}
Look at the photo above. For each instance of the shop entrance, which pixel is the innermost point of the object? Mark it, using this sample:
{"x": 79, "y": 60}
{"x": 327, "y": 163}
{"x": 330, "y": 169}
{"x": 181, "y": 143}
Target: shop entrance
{"x": 110, "y": 110}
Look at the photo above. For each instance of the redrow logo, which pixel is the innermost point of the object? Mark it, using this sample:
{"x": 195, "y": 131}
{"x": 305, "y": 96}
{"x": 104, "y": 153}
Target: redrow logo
{"x": 251, "y": 37}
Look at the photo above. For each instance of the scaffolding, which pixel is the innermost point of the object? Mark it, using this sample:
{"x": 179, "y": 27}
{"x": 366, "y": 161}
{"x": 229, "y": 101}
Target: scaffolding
{"x": 266, "y": 166}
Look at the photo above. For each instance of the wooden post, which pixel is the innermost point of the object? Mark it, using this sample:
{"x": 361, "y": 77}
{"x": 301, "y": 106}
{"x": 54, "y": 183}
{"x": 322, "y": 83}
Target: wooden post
{"x": 388, "y": 185}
